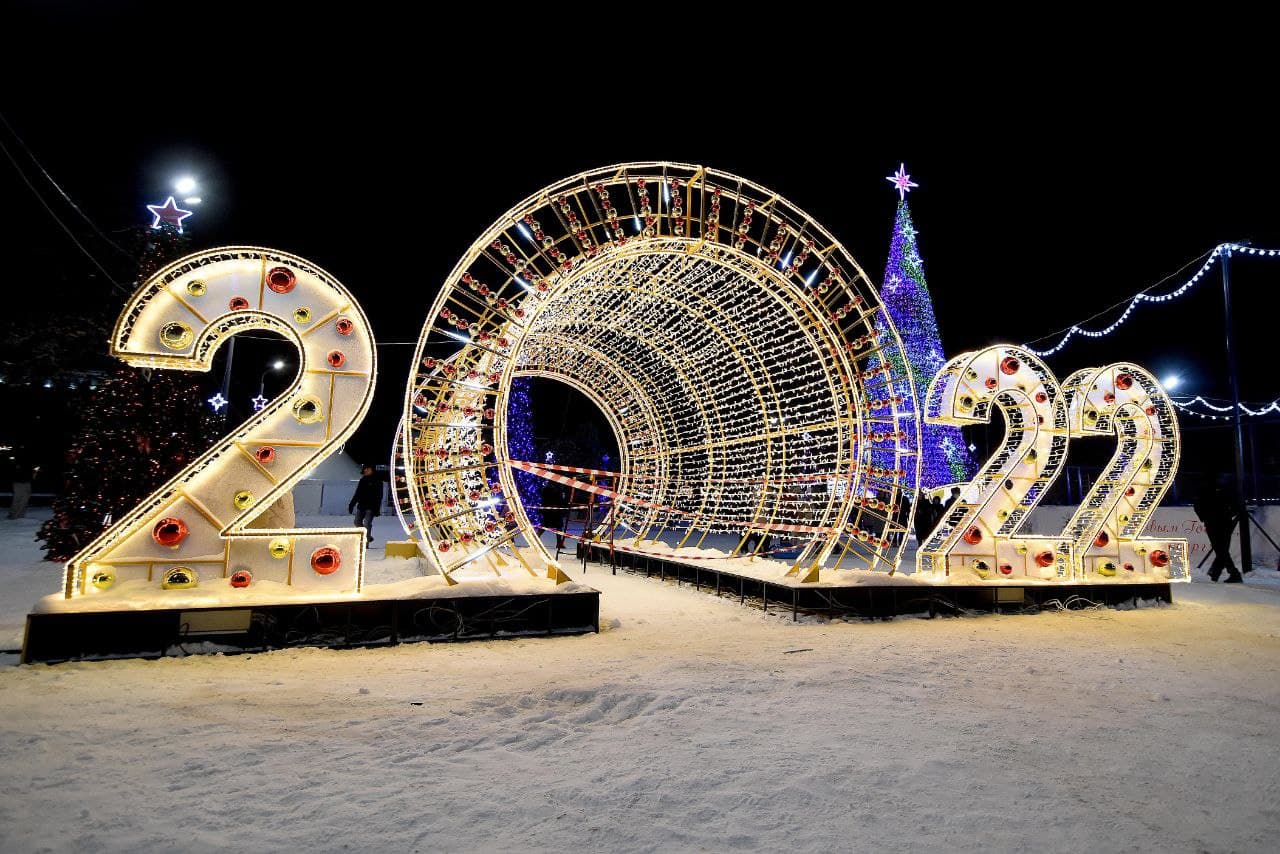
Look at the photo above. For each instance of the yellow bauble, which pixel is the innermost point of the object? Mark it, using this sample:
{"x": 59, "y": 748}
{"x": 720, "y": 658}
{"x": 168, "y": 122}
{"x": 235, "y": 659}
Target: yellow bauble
{"x": 196, "y": 288}
{"x": 180, "y": 578}
{"x": 243, "y": 499}
{"x": 279, "y": 548}
{"x": 175, "y": 335}
{"x": 103, "y": 577}
{"x": 1107, "y": 569}
{"x": 307, "y": 409}
{"x": 302, "y": 315}
{"x": 981, "y": 568}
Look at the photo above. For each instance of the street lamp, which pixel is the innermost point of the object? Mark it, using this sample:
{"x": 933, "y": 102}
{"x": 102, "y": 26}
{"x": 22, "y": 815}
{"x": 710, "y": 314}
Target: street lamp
{"x": 261, "y": 400}
{"x": 1172, "y": 381}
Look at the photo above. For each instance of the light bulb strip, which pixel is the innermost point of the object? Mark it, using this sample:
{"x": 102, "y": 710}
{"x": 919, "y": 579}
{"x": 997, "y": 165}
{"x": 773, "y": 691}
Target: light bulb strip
{"x": 1139, "y": 298}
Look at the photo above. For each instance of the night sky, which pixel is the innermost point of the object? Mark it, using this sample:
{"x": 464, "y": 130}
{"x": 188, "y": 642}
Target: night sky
{"x": 1041, "y": 201}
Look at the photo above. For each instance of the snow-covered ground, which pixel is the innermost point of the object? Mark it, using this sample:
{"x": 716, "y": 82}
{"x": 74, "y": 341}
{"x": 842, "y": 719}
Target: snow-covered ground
{"x": 689, "y": 723}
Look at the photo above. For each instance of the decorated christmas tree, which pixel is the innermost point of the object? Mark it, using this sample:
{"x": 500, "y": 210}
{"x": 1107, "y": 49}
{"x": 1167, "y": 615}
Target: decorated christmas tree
{"x": 520, "y": 446}
{"x": 138, "y": 431}
{"x": 139, "y": 428}
{"x": 944, "y": 456}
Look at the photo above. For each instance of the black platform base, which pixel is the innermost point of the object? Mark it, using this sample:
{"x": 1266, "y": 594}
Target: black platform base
{"x": 876, "y": 601}
{"x": 152, "y": 634}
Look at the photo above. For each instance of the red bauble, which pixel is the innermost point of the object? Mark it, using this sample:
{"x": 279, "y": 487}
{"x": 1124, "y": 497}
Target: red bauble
{"x": 170, "y": 532}
{"x": 1101, "y": 540}
{"x": 336, "y": 358}
{"x": 265, "y": 455}
{"x": 344, "y": 325}
{"x": 444, "y": 545}
{"x": 1010, "y": 364}
{"x": 1045, "y": 558}
{"x": 241, "y": 578}
{"x": 326, "y": 560}
{"x": 238, "y": 303}
{"x": 1041, "y": 397}
{"x": 973, "y": 536}
{"x": 991, "y": 382}
{"x": 1159, "y": 558}
{"x": 1124, "y": 381}
{"x": 1006, "y": 569}
{"x": 281, "y": 280}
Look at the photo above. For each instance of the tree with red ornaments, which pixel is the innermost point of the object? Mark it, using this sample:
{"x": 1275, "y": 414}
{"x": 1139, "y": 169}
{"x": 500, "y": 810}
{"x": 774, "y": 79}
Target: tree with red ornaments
{"x": 138, "y": 428}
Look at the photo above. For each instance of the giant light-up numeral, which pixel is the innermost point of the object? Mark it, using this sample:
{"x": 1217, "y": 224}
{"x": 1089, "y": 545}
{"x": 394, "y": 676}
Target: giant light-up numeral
{"x": 194, "y": 530}
{"x": 980, "y": 534}
{"x": 1124, "y": 400}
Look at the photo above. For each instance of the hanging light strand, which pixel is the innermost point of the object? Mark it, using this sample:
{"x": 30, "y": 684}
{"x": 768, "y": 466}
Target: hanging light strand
{"x": 1143, "y": 296}
{"x": 1186, "y": 406}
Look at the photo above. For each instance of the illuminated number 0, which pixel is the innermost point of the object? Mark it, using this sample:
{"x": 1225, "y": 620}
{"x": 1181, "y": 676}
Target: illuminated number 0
{"x": 193, "y": 531}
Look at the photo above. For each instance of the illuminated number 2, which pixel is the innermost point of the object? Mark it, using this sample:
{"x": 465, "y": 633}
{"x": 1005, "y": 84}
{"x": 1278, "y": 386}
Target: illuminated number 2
{"x": 1125, "y": 400}
{"x": 193, "y": 531}
{"x": 979, "y": 535}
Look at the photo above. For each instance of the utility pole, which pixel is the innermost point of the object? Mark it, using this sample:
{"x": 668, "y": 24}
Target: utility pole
{"x": 1246, "y": 549}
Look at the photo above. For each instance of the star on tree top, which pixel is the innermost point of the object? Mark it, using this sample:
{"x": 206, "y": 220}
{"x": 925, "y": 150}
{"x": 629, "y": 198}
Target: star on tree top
{"x": 901, "y": 181}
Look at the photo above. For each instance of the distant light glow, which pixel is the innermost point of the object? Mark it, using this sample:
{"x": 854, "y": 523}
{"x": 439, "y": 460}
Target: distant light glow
{"x": 186, "y": 184}
{"x": 278, "y": 364}
{"x": 192, "y": 200}
{"x": 1172, "y": 381}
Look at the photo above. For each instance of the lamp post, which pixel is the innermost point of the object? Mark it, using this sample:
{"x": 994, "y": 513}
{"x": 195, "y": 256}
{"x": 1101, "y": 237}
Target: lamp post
{"x": 261, "y": 400}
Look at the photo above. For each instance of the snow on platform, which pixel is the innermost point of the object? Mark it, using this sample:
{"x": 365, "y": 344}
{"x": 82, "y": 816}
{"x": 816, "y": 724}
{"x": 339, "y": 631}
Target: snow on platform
{"x": 689, "y": 723}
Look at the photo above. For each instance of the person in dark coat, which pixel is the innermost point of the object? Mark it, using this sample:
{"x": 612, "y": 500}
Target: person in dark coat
{"x": 556, "y": 510}
{"x": 367, "y": 500}
{"x": 1213, "y": 505}
{"x": 928, "y": 512}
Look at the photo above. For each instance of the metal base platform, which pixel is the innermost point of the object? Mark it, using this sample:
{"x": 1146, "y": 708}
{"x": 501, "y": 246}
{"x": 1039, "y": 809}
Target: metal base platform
{"x": 883, "y": 601}
{"x": 93, "y": 635}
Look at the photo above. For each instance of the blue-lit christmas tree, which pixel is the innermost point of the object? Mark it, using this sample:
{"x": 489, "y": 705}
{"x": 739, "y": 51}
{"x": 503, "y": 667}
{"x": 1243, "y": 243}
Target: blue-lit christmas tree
{"x": 944, "y": 456}
{"x": 520, "y": 446}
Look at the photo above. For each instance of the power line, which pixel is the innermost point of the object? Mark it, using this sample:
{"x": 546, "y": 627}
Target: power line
{"x": 61, "y": 191}
{"x": 61, "y": 224}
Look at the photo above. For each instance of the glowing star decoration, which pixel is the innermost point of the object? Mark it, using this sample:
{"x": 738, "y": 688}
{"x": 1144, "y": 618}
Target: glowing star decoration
{"x": 901, "y": 181}
{"x": 217, "y": 402}
{"x": 258, "y": 402}
{"x": 168, "y": 213}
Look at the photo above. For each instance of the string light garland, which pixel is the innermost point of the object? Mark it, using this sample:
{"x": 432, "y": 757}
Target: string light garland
{"x": 1186, "y": 406}
{"x": 1217, "y": 252}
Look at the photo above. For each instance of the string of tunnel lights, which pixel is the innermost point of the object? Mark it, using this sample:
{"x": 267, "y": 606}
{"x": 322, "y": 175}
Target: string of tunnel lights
{"x": 729, "y": 339}
{"x": 1142, "y": 297}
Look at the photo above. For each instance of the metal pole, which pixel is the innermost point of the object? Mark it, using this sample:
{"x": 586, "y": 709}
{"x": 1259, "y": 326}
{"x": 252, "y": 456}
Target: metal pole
{"x": 226, "y": 376}
{"x": 1246, "y": 550}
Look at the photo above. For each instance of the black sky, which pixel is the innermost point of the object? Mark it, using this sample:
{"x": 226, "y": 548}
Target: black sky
{"x": 1045, "y": 194}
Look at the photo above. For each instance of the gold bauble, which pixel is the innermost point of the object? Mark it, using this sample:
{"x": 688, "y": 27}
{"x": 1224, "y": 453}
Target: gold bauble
{"x": 279, "y": 548}
{"x": 307, "y": 409}
{"x": 243, "y": 499}
{"x": 175, "y": 335}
